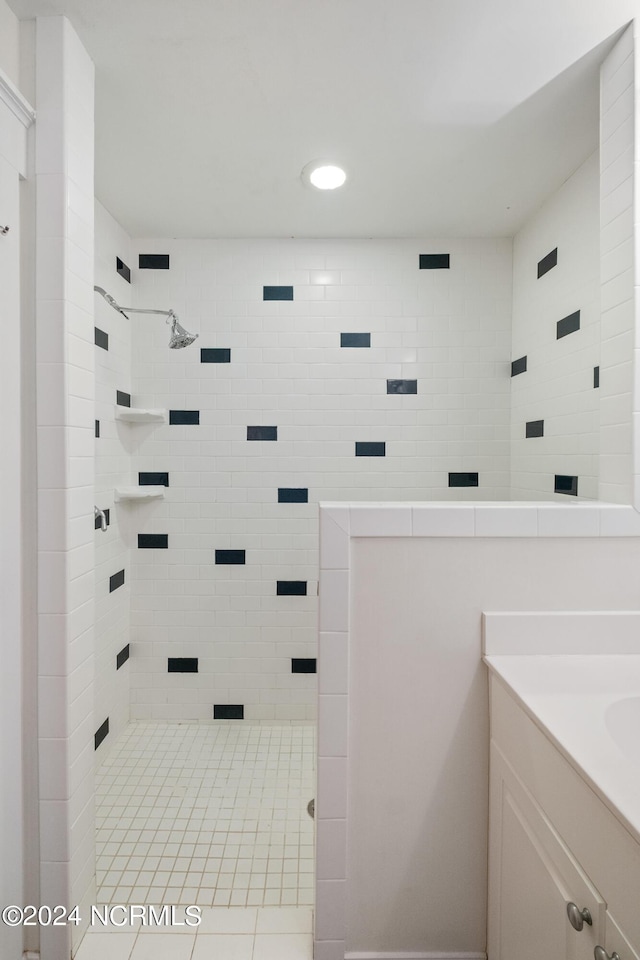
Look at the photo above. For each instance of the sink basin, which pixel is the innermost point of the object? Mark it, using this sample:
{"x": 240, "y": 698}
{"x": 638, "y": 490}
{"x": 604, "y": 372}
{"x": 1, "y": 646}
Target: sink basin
{"x": 622, "y": 720}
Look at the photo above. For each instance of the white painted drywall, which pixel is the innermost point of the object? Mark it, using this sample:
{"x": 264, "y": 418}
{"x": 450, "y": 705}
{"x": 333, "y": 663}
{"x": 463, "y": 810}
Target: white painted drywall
{"x": 418, "y": 727}
{"x": 13, "y": 735}
{"x": 9, "y": 43}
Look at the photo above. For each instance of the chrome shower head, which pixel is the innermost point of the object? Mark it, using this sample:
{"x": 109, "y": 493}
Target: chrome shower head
{"x": 179, "y": 336}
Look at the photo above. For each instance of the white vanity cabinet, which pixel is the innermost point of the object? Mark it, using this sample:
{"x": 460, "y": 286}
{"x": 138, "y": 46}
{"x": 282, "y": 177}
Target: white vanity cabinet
{"x": 552, "y": 842}
{"x": 533, "y": 877}
{"x": 616, "y": 942}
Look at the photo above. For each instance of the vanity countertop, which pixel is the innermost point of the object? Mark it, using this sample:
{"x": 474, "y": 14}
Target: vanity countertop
{"x": 589, "y": 707}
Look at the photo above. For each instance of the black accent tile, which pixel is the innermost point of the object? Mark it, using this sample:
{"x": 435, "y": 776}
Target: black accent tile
{"x": 177, "y": 417}
{"x": 153, "y": 541}
{"x": 463, "y": 479}
{"x": 100, "y": 338}
{"x": 100, "y": 734}
{"x": 303, "y": 665}
{"x": 123, "y": 269}
{"x": 122, "y": 657}
{"x": 596, "y": 376}
{"x": 355, "y": 339}
{"x": 215, "y": 355}
{"x": 402, "y": 386}
{"x": 277, "y": 293}
{"x": 123, "y": 399}
{"x": 182, "y": 665}
{"x": 535, "y": 428}
{"x": 107, "y": 513}
{"x": 547, "y": 263}
{"x": 116, "y": 581}
{"x": 434, "y": 261}
{"x": 568, "y": 485}
{"x": 291, "y": 588}
{"x": 518, "y": 366}
{"x": 568, "y": 325}
{"x": 228, "y": 711}
{"x": 97, "y": 433}
{"x": 293, "y": 495}
{"x": 262, "y": 433}
{"x": 153, "y": 261}
{"x": 153, "y": 479}
{"x": 231, "y": 556}
{"x": 367, "y": 449}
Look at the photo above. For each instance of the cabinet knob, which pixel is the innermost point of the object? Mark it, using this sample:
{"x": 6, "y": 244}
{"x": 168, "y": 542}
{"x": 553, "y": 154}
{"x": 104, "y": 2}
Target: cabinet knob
{"x": 578, "y": 918}
{"x": 601, "y": 954}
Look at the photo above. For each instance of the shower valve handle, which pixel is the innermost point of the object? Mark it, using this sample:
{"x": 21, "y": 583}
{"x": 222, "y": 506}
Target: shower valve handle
{"x": 101, "y": 516}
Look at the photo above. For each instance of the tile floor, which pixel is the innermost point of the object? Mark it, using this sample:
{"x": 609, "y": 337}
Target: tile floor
{"x": 226, "y": 933}
{"x": 211, "y": 814}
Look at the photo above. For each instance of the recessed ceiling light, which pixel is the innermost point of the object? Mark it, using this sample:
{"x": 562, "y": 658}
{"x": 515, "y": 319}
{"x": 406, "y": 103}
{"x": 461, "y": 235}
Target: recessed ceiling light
{"x": 323, "y": 175}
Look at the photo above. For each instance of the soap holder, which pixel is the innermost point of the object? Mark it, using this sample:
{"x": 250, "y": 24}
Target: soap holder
{"x": 140, "y": 415}
{"x": 139, "y": 493}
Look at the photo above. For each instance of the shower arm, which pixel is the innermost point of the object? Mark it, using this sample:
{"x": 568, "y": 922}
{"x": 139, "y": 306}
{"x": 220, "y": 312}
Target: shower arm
{"x": 169, "y": 314}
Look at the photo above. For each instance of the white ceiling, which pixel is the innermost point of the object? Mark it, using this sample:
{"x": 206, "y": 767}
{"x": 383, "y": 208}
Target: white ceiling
{"x": 453, "y": 117}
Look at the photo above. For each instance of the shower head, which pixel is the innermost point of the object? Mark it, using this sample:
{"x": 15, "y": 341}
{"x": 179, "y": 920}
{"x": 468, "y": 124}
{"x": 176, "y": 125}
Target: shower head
{"x": 179, "y": 336}
{"x": 110, "y": 300}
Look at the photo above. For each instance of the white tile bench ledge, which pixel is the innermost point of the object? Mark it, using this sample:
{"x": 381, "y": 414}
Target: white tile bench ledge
{"x": 484, "y": 519}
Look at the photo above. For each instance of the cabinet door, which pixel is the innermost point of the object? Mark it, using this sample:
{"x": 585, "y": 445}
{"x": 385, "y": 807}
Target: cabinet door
{"x": 615, "y": 940}
{"x": 532, "y": 878}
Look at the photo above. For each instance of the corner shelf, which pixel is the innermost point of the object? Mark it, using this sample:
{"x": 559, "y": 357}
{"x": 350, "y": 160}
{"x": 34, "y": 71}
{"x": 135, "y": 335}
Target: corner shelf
{"x": 138, "y": 493}
{"x": 140, "y": 415}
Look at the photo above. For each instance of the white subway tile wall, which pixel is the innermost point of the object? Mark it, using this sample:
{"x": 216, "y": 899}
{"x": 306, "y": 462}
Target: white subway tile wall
{"x": 618, "y": 151}
{"x": 65, "y": 376}
{"x": 113, "y": 469}
{"x": 449, "y": 329}
{"x": 557, "y": 385}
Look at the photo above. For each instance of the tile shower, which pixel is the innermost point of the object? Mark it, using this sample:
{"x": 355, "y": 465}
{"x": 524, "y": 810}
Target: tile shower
{"x": 212, "y": 816}
{"x": 323, "y": 371}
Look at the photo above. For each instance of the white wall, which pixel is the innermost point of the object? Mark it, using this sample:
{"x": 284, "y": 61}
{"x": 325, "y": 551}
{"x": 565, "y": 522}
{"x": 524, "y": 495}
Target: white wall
{"x": 447, "y": 329}
{"x": 618, "y": 275}
{"x": 65, "y": 413}
{"x": 17, "y": 726}
{"x": 418, "y": 737}
{"x": 558, "y": 385}
{"x": 9, "y": 44}
{"x": 113, "y": 450}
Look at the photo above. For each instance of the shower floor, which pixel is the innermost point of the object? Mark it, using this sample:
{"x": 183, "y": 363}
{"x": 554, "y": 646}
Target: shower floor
{"x": 213, "y": 815}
